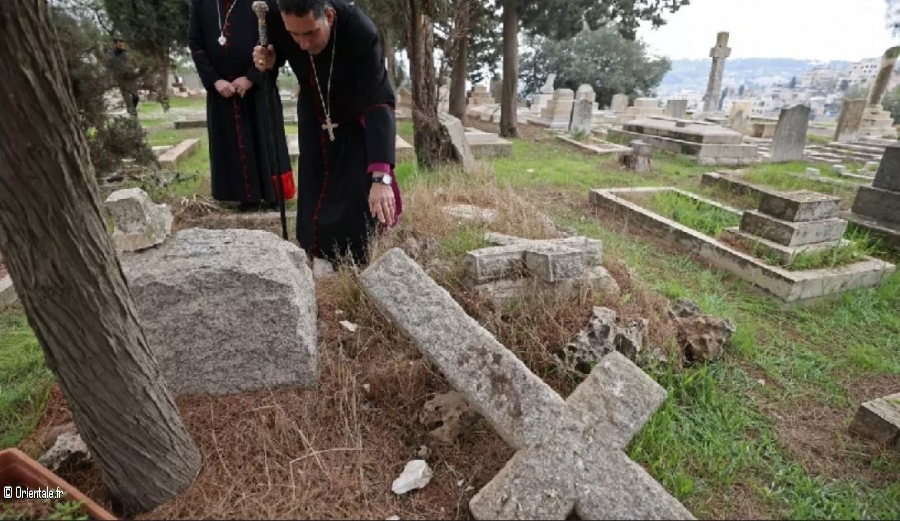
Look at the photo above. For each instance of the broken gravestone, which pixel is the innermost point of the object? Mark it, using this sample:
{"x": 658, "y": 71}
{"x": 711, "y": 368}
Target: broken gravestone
{"x": 139, "y": 223}
{"x": 416, "y": 475}
{"x": 516, "y": 266}
{"x": 640, "y": 159}
{"x": 569, "y": 457}
{"x": 446, "y": 416}
{"x": 879, "y": 421}
{"x": 227, "y": 311}
{"x": 69, "y": 452}
{"x": 702, "y": 338}
{"x": 604, "y": 334}
{"x": 458, "y": 140}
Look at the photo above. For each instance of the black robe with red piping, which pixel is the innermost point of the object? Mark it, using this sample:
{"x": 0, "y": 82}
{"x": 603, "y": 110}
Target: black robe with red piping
{"x": 334, "y": 177}
{"x": 245, "y": 149}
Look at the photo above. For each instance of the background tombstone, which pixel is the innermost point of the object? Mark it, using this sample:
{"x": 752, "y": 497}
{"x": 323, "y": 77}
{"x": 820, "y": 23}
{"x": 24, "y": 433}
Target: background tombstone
{"x": 619, "y": 103}
{"x": 540, "y": 101}
{"x": 444, "y": 99}
{"x": 789, "y": 143}
{"x": 458, "y": 140}
{"x": 739, "y": 117}
{"x": 714, "y": 87}
{"x": 677, "y": 108}
{"x": 586, "y": 92}
{"x": 850, "y": 120}
{"x": 582, "y": 117}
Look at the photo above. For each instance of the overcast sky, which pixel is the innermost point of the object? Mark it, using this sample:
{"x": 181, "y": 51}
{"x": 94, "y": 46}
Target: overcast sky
{"x": 803, "y": 29}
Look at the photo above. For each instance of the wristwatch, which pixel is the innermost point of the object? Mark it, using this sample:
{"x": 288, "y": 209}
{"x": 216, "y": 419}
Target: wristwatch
{"x": 382, "y": 179}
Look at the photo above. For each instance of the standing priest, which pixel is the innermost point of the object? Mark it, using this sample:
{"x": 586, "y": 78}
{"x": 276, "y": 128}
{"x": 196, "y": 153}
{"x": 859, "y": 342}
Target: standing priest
{"x": 244, "y": 158}
{"x": 346, "y": 119}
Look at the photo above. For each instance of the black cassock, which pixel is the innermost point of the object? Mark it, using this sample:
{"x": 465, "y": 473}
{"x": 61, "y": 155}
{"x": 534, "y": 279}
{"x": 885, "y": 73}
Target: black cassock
{"x": 333, "y": 216}
{"x": 241, "y": 147}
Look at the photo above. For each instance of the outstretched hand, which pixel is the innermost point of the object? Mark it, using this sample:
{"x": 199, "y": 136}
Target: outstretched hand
{"x": 264, "y": 59}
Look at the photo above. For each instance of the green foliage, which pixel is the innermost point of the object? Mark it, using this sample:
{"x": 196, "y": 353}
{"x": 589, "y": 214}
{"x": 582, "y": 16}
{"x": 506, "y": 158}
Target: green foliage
{"x": 562, "y": 19}
{"x": 119, "y": 139}
{"x": 83, "y": 49}
{"x": 24, "y": 379}
{"x": 602, "y": 58}
{"x": 692, "y": 213}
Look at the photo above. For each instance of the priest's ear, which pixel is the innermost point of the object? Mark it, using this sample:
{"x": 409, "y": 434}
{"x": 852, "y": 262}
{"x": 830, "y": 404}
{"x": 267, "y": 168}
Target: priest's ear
{"x": 330, "y": 15}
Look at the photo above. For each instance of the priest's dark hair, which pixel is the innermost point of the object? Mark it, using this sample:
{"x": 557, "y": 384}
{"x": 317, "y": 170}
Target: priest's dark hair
{"x": 303, "y": 7}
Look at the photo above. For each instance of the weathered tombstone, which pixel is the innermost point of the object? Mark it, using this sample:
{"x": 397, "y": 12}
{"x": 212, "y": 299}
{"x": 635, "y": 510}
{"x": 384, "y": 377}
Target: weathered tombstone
{"x": 619, "y": 103}
{"x": 585, "y": 91}
{"x": 458, "y": 139}
{"x": 640, "y": 158}
{"x": 739, "y": 118}
{"x": 227, "y": 311}
{"x": 582, "y": 117}
{"x": 558, "y": 112}
{"x": 789, "y": 143}
{"x": 547, "y": 88}
{"x": 569, "y": 457}
{"x": 677, "y": 108}
{"x": 138, "y": 222}
{"x": 714, "y": 87}
{"x": 541, "y": 100}
{"x": 850, "y": 120}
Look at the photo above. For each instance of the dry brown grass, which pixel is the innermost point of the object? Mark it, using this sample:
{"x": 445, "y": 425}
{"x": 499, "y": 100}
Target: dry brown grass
{"x": 334, "y": 451}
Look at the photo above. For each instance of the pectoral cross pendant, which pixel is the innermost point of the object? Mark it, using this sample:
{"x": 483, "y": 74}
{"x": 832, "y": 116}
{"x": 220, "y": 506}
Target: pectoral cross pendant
{"x": 329, "y": 126}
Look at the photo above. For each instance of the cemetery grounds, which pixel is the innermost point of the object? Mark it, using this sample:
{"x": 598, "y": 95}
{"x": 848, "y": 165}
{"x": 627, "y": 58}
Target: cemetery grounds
{"x": 760, "y": 433}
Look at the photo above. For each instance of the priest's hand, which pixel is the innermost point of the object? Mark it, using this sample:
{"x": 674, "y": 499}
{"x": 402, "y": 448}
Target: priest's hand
{"x": 264, "y": 59}
{"x": 225, "y": 89}
{"x": 382, "y": 204}
{"x": 242, "y": 85}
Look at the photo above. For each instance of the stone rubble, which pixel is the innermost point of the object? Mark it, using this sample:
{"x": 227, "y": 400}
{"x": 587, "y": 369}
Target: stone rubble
{"x": 416, "y": 475}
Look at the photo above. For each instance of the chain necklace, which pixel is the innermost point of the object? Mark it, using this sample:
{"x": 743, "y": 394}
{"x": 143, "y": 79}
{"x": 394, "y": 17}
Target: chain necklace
{"x": 329, "y": 126}
{"x": 222, "y": 39}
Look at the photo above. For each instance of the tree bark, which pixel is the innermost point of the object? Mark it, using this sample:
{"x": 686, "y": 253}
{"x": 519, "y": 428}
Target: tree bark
{"x": 68, "y": 278}
{"x": 460, "y": 67}
{"x": 432, "y": 142}
{"x": 508, "y": 105}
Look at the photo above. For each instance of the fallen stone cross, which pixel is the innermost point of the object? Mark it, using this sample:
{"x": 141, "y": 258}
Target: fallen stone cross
{"x": 569, "y": 455}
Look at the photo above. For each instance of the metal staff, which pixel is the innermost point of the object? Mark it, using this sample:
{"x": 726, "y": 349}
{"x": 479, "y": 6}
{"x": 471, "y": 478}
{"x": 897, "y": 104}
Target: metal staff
{"x": 261, "y": 9}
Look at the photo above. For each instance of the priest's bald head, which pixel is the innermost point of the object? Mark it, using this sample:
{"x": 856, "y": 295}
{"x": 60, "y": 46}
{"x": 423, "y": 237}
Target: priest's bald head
{"x": 309, "y": 23}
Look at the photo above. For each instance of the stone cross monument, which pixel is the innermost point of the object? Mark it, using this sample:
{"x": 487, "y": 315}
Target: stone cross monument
{"x": 877, "y": 122}
{"x": 888, "y": 62}
{"x": 714, "y": 87}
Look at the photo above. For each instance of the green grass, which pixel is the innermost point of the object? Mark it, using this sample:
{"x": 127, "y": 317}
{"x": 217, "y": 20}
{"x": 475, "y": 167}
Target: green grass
{"x": 692, "y": 213}
{"x": 24, "y": 379}
{"x": 774, "y": 177}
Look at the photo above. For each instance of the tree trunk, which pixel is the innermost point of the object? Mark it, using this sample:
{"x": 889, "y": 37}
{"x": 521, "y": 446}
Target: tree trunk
{"x": 509, "y": 104}
{"x": 432, "y": 142}
{"x": 66, "y": 273}
{"x": 460, "y": 68}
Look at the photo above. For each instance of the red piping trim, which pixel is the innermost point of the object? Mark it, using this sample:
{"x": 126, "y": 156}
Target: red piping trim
{"x": 243, "y": 155}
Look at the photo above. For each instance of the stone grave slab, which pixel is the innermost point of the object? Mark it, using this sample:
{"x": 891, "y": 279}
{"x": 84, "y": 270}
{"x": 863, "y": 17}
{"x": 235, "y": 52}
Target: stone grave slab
{"x": 800, "y": 206}
{"x": 487, "y": 145}
{"x": 190, "y": 123}
{"x": 597, "y": 146}
{"x": 789, "y": 233}
{"x": 569, "y": 457}
{"x": 227, "y": 311}
{"x": 788, "y": 285}
{"x": 619, "y": 103}
{"x": 175, "y": 155}
{"x": 888, "y": 175}
{"x": 582, "y": 117}
{"x": 677, "y": 108}
{"x": 879, "y": 421}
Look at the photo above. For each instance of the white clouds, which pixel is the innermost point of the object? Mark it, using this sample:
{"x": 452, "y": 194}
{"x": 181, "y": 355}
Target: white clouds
{"x": 803, "y": 29}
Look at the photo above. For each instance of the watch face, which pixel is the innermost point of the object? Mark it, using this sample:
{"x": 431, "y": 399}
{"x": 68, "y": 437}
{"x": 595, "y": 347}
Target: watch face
{"x": 387, "y": 180}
